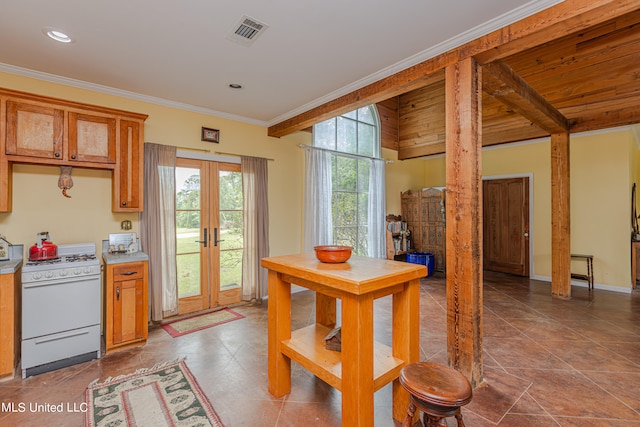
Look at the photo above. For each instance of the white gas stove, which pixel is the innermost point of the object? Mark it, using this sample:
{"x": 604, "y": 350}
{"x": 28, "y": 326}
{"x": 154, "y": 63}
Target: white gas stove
{"x": 61, "y": 309}
{"x": 73, "y": 261}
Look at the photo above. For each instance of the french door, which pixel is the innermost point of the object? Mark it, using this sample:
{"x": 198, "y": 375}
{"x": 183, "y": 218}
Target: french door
{"x": 209, "y": 234}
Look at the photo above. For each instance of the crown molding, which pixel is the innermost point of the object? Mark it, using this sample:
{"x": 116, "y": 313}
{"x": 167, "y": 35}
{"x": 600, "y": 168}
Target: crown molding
{"x": 52, "y": 78}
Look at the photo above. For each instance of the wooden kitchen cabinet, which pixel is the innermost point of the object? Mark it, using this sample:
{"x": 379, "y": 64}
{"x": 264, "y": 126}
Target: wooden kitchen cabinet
{"x": 126, "y": 305}
{"x": 128, "y": 176}
{"x": 92, "y": 138}
{"x": 10, "y": 325}
{"x": 34, "y": 130}
{"x": 44, "y": 132}
{"x": 40, "y": 130}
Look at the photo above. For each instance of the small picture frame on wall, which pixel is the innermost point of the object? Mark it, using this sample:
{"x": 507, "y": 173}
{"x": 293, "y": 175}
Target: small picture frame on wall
{"x": 210, "y": 135}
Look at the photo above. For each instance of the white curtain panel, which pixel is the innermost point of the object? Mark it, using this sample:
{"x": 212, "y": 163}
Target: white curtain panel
{"x": 167, "y": 202}
{"x": 318, "y": 224}
{"x": 377, "y": 202}
{"x": 256, "y": 227}
{"x": 158, "y": 229}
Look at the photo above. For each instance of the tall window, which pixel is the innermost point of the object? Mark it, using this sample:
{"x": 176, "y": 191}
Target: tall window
{"x": 354, "y": 138}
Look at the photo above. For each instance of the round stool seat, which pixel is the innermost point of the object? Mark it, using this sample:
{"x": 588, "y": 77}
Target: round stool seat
{"x": 437, "y": 390}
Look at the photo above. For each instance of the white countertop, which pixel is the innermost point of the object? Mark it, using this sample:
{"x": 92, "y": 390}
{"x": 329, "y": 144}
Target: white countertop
{"x": 120, "y": 258}
{"x": 116, "y": 258}
{"x": 15, "y": 260}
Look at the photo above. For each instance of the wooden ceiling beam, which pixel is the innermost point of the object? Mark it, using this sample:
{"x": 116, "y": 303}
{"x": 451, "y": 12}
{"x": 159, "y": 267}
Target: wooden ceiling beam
{"x": 412, "y": 78}
{"x": 563, "y": 19}
{"x": 622, "y": 116}
{"x": 505, "y": 85}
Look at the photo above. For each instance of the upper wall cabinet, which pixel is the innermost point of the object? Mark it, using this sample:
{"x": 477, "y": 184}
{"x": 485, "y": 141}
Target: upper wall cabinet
{"x": 92, "y": 138}
{"x": 128, "y": 177}
{"x": 34, "y": 130}
{"x": 41, "y": 130}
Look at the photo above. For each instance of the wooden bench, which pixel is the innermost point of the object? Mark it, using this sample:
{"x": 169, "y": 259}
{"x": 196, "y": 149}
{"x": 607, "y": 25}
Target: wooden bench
{"x": 589, "y": 276}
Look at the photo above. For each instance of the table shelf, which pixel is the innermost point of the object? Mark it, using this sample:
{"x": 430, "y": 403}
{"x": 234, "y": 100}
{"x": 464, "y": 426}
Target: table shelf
{"x": 307, "y": 348}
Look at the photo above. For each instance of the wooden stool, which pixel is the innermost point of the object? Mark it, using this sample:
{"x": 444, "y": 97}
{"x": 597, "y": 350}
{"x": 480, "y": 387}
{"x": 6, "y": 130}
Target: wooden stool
{"x": 437, "y": 390}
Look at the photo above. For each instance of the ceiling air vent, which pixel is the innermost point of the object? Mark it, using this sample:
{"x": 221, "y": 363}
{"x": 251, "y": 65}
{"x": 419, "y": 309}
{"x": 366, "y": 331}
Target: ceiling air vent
{"x": 247, "y": 30}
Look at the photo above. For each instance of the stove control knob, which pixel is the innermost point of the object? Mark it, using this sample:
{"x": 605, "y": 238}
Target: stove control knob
{"x": 87, "y": 270}
{"x": 49, "y": 274}
{"x": 36, "y": 276}
{"x": 63, "y": 273}
{"x": 77, "y": 271}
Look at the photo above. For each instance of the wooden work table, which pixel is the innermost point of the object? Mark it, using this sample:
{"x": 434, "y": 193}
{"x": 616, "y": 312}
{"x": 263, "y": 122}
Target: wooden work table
{"x": 363, "y": 366}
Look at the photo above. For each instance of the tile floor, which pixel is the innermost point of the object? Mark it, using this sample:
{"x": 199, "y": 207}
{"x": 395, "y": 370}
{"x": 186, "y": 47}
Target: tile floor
{"x": 547, "y": 362}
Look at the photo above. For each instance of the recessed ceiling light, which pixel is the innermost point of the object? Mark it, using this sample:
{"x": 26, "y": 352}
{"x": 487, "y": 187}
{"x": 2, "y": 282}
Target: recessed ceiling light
{"x": 57, "y": 35}
{"x": 235, "y": 86}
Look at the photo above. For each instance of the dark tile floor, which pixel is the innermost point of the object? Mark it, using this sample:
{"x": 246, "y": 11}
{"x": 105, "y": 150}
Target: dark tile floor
{"x": 547, "y": 362}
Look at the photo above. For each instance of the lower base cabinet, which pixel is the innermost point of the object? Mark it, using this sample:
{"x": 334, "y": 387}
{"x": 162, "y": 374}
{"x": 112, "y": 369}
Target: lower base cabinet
{"x": 10, "y": 306}
{"x": 126, "y": 305}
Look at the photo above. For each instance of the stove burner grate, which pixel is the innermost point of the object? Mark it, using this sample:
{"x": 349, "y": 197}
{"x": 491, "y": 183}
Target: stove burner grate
{"x": 63, "y": 259}
{"x": 44, "y": 261}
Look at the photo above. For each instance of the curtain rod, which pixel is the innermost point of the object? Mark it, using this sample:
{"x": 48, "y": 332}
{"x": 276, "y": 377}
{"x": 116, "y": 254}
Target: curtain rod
{"x": 340, "y": 153}
{"x": 237, "y": 155}
{"x": 202, "y": 150}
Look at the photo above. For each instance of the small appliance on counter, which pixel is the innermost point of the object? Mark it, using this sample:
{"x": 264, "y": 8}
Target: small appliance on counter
{"x": 123, "y": 243}
{"x": 43, "y": 249}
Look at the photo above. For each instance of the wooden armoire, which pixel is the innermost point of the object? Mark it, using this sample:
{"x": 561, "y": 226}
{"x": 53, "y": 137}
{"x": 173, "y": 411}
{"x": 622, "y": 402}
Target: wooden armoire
{"x": 424, "y": 214}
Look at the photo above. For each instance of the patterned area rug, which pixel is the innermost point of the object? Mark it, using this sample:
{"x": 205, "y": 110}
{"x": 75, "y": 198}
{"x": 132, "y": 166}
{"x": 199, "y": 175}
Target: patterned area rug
{"x": 177, "y": 328}
{"x": 165, "y": 395}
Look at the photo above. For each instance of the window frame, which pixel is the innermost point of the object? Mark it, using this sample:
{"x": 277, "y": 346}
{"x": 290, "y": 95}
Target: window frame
{"x": 360, "y": 239}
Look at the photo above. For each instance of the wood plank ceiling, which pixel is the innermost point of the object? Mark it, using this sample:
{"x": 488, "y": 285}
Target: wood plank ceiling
{"x": 587, "y": 78}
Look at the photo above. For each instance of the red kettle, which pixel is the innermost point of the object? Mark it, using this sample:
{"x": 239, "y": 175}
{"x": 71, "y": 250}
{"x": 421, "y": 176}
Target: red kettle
{"x": 43, "y": 249}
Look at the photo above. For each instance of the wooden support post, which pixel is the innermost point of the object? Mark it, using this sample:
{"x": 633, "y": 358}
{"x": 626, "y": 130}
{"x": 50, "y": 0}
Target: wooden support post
{"x": 464, "y": 218}
{"x": 560, "y": 217}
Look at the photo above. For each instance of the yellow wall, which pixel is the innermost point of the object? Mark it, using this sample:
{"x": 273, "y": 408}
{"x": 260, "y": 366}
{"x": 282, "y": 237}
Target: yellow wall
{"x": 401, "y": 175}
{"x": 601, "y": 167}
{"x": 38, "y": 204}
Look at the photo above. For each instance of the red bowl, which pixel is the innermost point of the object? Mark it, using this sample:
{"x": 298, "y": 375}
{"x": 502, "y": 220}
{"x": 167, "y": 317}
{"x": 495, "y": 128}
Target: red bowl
{"x": 333, "y": 254}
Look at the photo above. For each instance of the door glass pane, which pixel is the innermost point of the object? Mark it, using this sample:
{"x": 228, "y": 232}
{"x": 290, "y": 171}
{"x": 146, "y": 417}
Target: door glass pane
{"x": 231, "y": 229}
{"x": 188, "y": 231}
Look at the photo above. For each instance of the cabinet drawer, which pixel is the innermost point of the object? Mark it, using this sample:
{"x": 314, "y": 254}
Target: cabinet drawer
{"x": 129, "y": 271}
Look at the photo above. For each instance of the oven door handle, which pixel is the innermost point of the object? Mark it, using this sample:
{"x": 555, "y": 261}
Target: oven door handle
{"x": 71, "y": 335}
{"x": 58, "y": 281}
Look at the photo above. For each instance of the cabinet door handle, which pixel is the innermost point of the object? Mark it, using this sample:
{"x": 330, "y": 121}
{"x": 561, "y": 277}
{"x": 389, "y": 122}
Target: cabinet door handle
{"x": 117, "y": 293}
{"x": 127, "y": 273}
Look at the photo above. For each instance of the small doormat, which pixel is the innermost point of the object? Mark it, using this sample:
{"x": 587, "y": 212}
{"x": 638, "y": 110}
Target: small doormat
{"x": 165, "y": 395}
{"x": 177, "y": 328}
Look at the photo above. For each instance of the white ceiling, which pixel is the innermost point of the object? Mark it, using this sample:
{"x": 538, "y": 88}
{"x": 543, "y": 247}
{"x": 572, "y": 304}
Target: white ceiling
{"x": 175, "y": 52}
